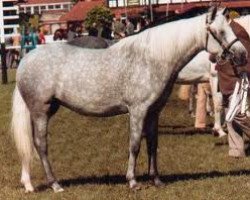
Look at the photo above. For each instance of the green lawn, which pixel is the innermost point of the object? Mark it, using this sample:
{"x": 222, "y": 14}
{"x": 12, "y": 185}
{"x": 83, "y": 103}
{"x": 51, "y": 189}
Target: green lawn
{"x": 89, "y": 156}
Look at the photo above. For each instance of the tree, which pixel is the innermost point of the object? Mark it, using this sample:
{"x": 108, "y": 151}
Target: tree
{"x": 101, "y": 17}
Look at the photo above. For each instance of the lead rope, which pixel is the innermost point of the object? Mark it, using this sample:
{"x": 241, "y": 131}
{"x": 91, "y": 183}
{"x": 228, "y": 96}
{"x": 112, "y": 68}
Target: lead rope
{"x": 244, "y": 92}
{"x": 238, "y": 102}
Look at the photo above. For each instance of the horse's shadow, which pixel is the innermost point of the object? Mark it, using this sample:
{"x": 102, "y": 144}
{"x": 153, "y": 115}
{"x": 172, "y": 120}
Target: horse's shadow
{"x": 167, "y": 179}
{"x": 184, "y": 131}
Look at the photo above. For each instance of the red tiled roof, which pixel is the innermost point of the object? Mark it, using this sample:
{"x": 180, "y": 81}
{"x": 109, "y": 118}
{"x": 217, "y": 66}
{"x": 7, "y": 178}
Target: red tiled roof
{"x": 80, "y": 10}
{"x": 45, "y": 1}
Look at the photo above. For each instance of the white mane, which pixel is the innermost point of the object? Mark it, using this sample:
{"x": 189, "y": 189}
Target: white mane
{"x": 161, "y": 41}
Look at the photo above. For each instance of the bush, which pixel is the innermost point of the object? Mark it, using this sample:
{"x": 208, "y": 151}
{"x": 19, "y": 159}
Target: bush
{"x": 100, "y": 16}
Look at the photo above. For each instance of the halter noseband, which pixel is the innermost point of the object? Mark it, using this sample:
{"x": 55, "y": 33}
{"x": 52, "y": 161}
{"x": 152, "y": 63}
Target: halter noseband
{"x": 225, "y": 47}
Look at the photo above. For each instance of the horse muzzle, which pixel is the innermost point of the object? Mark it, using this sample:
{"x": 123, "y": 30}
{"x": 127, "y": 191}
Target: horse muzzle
{"x": 235, "y": 52}
{"x": 239, "y": 57}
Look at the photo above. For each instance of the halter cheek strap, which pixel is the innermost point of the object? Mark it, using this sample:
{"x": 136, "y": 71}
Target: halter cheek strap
{"x": 226, "y": 48}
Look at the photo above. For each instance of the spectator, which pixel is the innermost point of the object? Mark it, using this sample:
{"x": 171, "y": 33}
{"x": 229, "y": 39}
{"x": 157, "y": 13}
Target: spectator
{"x": 72, "y": 32}
{"x": 41, "y": 37}
{"x": 93, "y": 31}
{"x": 129, "y": 27}
{"x": 118, "y": 29}
{"x": 203, "y": 92}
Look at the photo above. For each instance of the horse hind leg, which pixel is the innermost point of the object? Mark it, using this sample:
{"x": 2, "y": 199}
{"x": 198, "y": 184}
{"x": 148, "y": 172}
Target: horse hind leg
{"x": 40, "y": 124}
{"x": 151, "y": 132}
{"x": 218, "y": 130}
{"x": 136, "y": 125}
{"x": 217, "y": 100}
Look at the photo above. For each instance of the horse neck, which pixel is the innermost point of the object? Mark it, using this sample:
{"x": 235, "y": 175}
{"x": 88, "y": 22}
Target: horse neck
{"x": 172, "y": 44}
{"x": 183, "y": 40}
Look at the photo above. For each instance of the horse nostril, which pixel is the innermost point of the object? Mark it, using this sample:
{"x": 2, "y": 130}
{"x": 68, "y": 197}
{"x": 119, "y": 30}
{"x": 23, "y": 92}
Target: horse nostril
{"x": 243, "y": 57}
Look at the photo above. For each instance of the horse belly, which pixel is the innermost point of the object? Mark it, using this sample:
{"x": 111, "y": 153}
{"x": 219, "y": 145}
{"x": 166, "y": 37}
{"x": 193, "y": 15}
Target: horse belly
{"x": 91, "y": 109}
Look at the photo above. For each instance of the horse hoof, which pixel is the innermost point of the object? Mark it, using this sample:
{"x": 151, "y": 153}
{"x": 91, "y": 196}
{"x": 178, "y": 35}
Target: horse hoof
{"x": 222, "y": 135}
{"x": 219, "y": 133}
{"x": 57, "y": 188}
{"x": 158, "y": 182}
{"x": 134, "y": 185}
{"x": 28, "y": 188}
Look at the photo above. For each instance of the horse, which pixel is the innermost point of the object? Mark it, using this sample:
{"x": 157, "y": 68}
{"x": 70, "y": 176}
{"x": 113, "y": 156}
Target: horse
{"x": 193, "y": 73}
{"x": 135, "y": 76}
{"x": 92, "y": 42}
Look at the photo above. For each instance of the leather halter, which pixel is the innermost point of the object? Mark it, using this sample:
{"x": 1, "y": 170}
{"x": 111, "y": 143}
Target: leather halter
{"x": 225, "y": 47}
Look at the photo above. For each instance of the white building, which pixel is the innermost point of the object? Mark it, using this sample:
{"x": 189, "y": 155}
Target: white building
{"x": 9, "y": 19}
{"x": 38, "y": 6}
{"x": 122, "y": 3}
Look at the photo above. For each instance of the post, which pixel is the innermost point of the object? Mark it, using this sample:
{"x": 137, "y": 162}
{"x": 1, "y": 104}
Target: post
{"x": 4, "y": 66}
{"x": 3, "y": 50}
{"x": 151, "y": 11}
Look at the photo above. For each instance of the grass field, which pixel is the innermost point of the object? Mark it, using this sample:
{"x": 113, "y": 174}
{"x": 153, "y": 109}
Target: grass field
{"x": 89, "y": 157}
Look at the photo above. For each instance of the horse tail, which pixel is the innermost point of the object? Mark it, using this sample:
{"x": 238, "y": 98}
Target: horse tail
{"x": 21, "y": 128}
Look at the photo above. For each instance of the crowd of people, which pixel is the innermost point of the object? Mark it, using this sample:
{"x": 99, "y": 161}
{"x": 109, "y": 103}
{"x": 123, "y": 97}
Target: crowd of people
{"x": 120, "y": 28}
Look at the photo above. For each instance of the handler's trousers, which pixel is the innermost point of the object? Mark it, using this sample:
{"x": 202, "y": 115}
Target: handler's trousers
{"x": 238, "y": 129}
{"x": 203, "y": 91}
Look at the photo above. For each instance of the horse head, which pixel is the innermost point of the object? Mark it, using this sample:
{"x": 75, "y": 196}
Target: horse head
{"x": 220, "y": 38}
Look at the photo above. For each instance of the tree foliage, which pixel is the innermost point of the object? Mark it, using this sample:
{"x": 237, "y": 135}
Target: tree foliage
{"x": 99, "y": 15}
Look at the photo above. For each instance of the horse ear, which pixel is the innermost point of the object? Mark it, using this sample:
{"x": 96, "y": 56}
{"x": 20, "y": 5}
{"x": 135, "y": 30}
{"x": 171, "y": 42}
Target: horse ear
{"x": 212, "y": 13}
{"x": 226, "y": 12}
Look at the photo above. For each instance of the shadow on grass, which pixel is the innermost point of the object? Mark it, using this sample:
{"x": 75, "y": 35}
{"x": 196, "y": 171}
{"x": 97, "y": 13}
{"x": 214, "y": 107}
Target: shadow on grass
{"x": 185, "y": 131}
{"x": 167, "y": 179}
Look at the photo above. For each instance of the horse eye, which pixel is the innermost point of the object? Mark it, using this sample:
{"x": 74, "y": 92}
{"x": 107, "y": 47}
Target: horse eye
{"x": 222, "y": 32}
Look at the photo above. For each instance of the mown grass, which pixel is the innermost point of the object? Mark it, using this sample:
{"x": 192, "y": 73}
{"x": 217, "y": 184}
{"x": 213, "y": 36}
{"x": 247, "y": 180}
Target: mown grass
{"x": 89, "y": 156}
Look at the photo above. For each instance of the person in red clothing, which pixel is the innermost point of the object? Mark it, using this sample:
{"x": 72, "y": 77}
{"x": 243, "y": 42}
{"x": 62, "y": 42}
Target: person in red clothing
{"x": 41, "y": 37}
{"x": 228, "y": 75}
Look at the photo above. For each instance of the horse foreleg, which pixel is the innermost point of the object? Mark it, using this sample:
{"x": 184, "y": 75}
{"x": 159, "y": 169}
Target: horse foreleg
{"x": 136, "y": 124}
{"x": 151, "y": 132}
{"x": 40, "y": 123}
{"x": 217, "y": 100}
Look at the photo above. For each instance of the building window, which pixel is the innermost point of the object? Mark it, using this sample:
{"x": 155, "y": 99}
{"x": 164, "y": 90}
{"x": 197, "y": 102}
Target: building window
{"x": 8, "y": 30}
{"x": 21, "y": 9}
{"x": 112, "y": 3}
{"x": 28, "y": 9}
{"x": 121, "y": 3}
{"x": 65, "y": 6}
{"x": 7, "y": 4}
{"x": 51, "y": 6}
{"x": 36, "y": 9}
{"x": 43, "y": 7}
{"x": 58, "y": 6}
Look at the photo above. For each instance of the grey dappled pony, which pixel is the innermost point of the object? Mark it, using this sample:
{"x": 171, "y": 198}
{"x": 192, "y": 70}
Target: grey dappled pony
{"x": 133, "y": 76}
{"x": 90, "y": 42}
